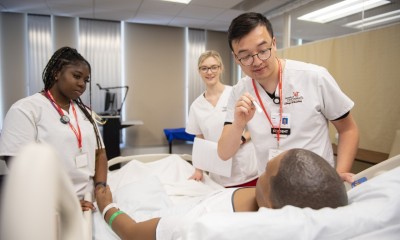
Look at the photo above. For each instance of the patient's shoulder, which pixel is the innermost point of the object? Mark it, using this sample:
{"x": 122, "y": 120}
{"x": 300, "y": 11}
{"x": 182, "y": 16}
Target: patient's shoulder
{"x": 244, "y": 200}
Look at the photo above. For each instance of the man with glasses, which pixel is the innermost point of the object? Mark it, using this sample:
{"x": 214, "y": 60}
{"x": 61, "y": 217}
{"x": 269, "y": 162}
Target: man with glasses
{"x": 303, "y": 94}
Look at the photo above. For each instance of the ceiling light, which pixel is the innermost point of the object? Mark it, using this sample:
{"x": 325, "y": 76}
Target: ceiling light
{"x": 375, "y": 20}
{"x": 341, "y": 9}
{"x": 178, "y": 1}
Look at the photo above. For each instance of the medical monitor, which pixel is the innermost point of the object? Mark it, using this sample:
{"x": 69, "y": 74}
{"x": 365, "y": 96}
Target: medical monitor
{"x": 111, "y": 99}
{"x": 110, "y": 103}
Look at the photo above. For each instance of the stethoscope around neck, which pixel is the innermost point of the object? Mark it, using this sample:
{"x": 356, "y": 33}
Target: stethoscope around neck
{"x": 63, "y": 118}
{"x": 276, "y": 100}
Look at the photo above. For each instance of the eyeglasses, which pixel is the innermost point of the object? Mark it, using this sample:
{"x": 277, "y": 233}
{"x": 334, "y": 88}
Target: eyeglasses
{"x": 249, "y": 59}
{"x": 213, "y": 68}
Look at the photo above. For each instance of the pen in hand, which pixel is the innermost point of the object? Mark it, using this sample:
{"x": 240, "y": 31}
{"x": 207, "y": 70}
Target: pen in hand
{"x": 258, "y": 108}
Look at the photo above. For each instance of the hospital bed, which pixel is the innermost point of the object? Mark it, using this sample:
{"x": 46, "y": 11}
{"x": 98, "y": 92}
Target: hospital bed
{"x": 371, "y": 214}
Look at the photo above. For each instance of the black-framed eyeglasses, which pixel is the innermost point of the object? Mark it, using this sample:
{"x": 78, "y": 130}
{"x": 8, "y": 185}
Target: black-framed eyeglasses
{"x": 263, "y": 55}
{"x": 213, "y": 68}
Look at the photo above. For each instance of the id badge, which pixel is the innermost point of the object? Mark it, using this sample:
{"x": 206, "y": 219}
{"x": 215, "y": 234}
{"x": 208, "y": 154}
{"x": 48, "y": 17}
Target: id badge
{"x": 274, "y": 152}
{"x": 81, "y": 160}
{"x": 285, "y": 124}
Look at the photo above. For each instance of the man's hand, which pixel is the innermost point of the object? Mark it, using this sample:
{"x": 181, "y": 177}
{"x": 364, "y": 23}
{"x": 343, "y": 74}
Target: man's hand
{"x": 244, "y": 109}
{"x": 103, "y": 197}
{"x": 347, "y": 177}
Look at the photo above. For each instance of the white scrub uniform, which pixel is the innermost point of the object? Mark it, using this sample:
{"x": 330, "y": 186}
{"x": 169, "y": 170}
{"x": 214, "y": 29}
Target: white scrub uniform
{"x": 208, "y": 120}
{"x": 34, "y": 119}
{"x": 310, "y": 98}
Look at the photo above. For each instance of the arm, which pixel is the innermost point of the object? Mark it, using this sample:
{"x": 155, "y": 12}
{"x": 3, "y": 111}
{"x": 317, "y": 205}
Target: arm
{"x": 230, "y": 139}
{"x": 100, "y": 176}
{"x": 347, "y": 146}
{"x": 246, "y": 135}
{"x": 123, "y": 225}
{"x": 101, "y": 166}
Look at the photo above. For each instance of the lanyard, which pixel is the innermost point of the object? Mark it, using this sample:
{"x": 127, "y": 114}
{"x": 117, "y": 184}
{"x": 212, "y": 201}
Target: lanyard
{"x": 280, "y": 102}
{"x": 77, "y": 132}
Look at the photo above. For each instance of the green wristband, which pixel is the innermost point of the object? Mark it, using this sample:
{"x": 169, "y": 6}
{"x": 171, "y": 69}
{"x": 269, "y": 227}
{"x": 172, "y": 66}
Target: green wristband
{"x": 110, "y": 221}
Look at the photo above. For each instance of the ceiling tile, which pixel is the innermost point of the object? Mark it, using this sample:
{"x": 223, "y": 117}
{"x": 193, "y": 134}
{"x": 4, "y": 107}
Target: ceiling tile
{"x": 200, "y": 12}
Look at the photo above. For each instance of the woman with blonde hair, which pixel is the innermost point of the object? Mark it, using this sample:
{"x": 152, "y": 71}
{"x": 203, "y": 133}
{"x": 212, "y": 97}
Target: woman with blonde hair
{"x": 206, "y": 121}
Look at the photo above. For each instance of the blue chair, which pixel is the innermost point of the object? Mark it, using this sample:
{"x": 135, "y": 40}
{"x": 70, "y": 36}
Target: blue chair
{"x": 177, "y": 133}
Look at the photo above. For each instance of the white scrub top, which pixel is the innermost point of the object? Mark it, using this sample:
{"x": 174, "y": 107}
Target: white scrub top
{"x": 34, "y": 119}
{"x": 311, "y": 97}
{"x": 208, "y": 120}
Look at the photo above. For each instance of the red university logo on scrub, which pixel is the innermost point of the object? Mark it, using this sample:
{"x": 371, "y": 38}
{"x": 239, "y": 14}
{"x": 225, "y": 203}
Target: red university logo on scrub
{"x": 295, "y": 98}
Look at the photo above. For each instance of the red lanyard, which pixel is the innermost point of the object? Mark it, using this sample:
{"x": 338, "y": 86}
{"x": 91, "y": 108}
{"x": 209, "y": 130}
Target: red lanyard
{"x": 280, "y": 102}
{"x": 59, "y": 110}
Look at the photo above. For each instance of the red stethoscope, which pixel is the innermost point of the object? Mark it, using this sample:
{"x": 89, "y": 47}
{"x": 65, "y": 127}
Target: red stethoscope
{"x": 65, "y": 119}
{"x": 279, "y": 99}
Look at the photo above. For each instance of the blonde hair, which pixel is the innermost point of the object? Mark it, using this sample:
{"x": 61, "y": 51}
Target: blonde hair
{"x": 215, "y": 55}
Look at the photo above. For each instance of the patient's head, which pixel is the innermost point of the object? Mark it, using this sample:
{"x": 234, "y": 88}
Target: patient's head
{"x": 300, "y": 178}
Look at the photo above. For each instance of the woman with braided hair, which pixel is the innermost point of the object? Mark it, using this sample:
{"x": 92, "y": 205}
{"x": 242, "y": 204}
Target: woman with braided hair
{"x": 58, "y": 117}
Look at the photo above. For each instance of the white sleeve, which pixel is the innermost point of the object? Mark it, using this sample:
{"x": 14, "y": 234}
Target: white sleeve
{"x": 334, "y": 103}
{"x": 192, "y": 126}
{"x": 19, "y": 128}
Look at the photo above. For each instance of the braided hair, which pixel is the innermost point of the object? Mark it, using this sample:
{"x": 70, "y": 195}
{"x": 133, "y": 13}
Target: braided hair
{"x": 63, "y": 57}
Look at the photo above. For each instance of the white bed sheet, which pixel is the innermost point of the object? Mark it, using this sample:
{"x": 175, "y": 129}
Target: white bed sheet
{"x": 373, "y": 213}
{"x": 147, "y": 190}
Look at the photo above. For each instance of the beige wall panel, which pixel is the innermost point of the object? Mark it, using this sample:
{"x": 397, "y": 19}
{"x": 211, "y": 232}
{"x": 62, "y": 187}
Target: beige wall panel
{"x": 366, "y": 67}
{"x": 155, "y": 73}
{"x": 14, "y": 55}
